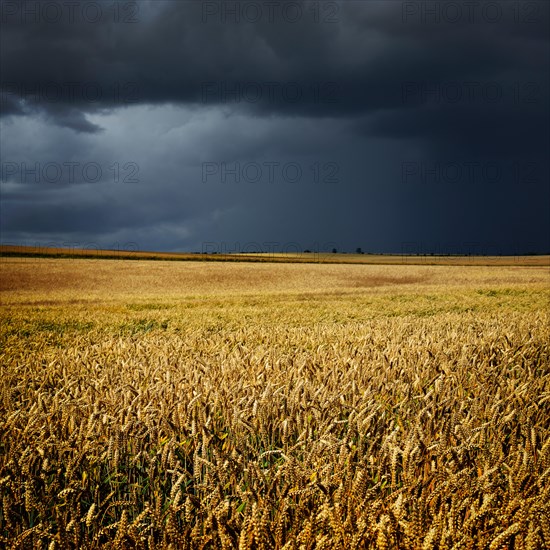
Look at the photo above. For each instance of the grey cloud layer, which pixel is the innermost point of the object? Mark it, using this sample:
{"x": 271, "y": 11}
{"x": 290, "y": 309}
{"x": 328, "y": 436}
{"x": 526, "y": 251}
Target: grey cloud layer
{"x": 379, "y": 80}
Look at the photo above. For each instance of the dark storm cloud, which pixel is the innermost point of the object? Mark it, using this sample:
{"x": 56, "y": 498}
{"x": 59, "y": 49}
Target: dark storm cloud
{"x": 354, "y": 60}
{"x": 439, "y": 83}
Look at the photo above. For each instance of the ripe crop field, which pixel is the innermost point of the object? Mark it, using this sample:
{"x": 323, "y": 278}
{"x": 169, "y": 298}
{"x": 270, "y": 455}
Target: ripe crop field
{"x": 152, "y": 404}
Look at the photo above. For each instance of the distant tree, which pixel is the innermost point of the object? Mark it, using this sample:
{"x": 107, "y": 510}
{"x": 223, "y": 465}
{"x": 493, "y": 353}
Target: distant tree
{"x": 358, "y": 250}
{"x": 334, "y": 251}
{"x": 307, "y": 251}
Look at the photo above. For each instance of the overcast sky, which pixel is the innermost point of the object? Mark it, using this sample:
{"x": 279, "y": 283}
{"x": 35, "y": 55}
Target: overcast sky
{"x": 216, "y": 126}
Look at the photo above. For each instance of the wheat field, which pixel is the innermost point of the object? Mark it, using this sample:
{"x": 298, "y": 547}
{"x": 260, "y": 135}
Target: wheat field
{"x": 269, "y": 406}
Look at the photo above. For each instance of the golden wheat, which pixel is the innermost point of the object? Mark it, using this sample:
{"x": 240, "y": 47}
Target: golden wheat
{"x": 412, "y": 413}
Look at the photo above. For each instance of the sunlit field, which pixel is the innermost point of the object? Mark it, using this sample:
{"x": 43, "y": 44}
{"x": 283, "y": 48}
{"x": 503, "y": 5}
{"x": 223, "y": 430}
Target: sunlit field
{"x": 156, "y": 404}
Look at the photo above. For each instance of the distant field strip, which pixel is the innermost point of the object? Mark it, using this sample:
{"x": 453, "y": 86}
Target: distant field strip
{"x": 11, "y": 251}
